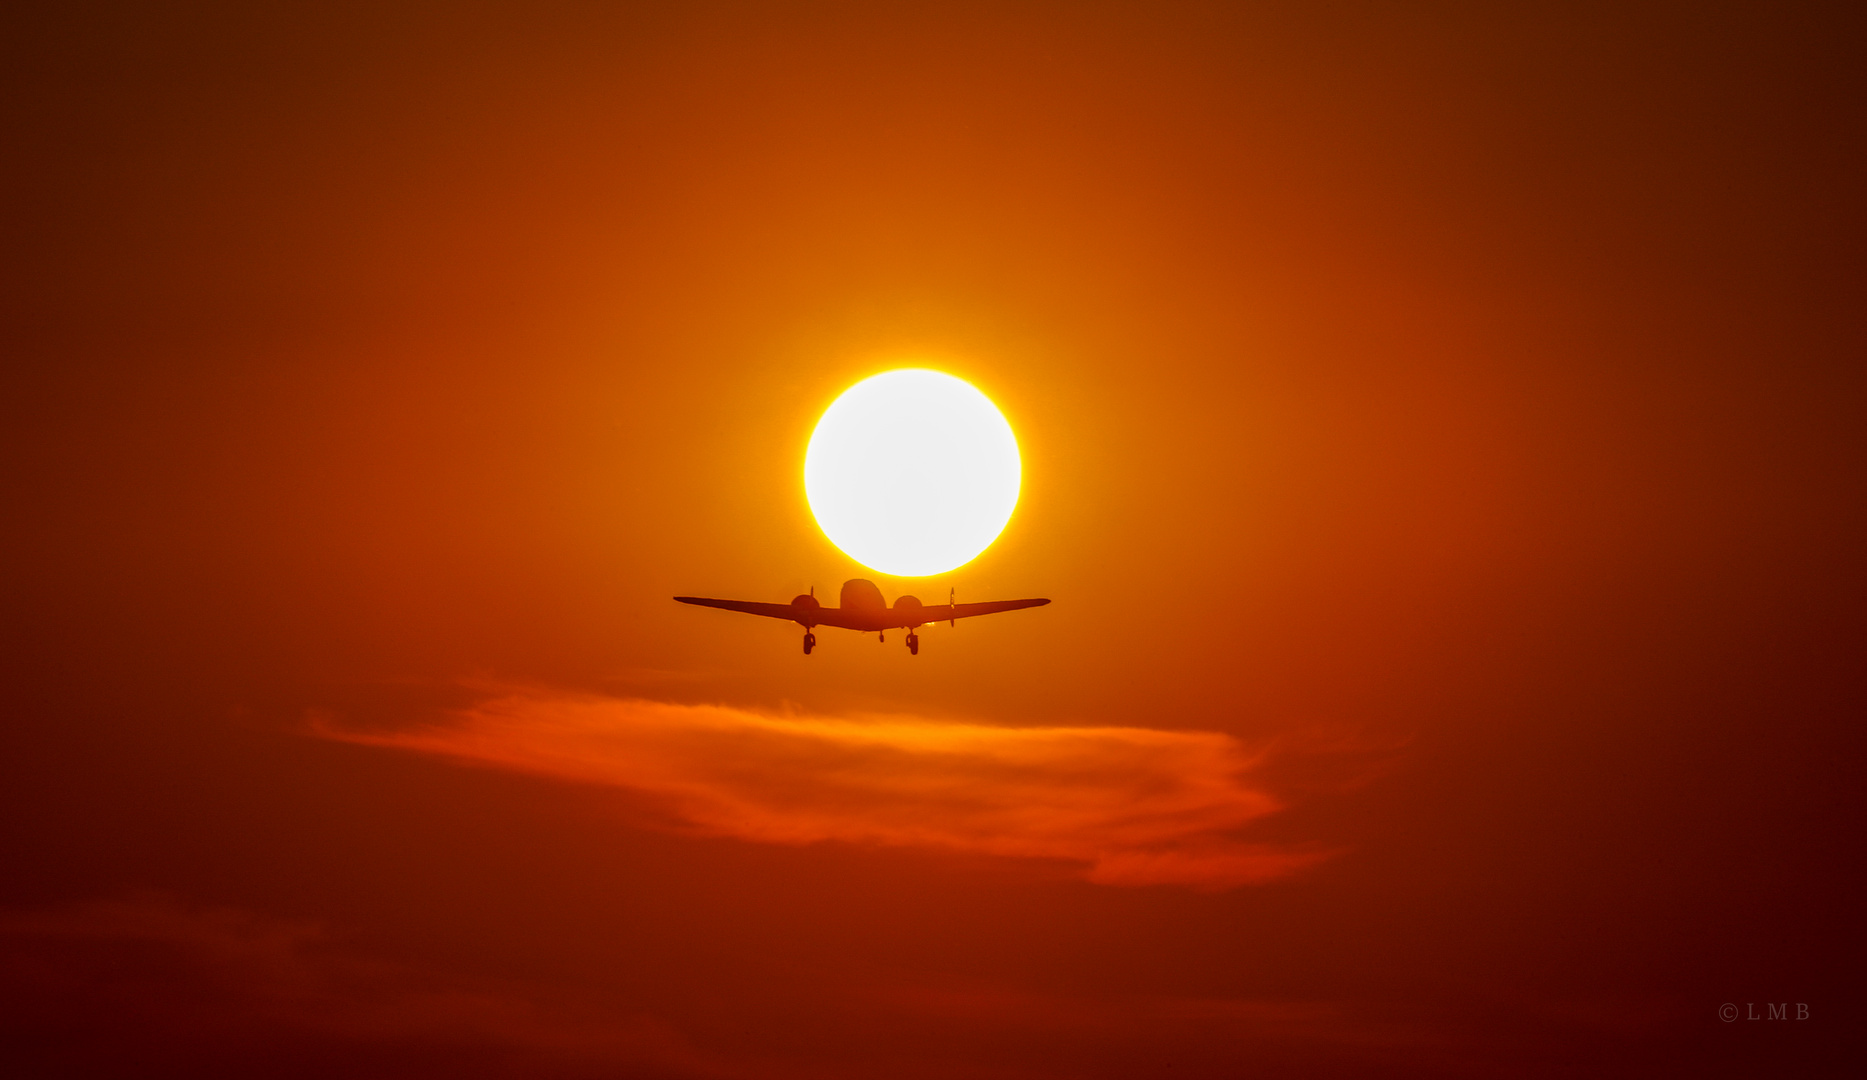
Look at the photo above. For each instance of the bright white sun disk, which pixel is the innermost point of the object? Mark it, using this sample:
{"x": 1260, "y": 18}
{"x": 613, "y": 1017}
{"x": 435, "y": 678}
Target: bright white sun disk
{"x": 912, "y": 472}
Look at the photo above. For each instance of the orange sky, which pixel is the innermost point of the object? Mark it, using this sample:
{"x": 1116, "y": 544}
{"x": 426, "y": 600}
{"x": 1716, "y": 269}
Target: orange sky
{"x": 1442, "y": 449}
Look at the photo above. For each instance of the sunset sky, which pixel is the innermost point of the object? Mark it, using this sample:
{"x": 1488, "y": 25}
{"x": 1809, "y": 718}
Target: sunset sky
{"x": 1444, "y": 443}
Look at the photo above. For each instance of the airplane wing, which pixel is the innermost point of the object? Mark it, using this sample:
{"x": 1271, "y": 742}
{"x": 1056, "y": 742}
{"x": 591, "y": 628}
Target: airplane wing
{"x": 948, "y": 612}
{"x": 847, "y": 619}
{"x": 750, "y": 607}
{"x": 866, "y": 620}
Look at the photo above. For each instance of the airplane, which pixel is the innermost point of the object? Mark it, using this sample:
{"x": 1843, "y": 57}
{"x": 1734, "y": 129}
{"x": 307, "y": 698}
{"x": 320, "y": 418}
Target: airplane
{"x": 863, "y": 609}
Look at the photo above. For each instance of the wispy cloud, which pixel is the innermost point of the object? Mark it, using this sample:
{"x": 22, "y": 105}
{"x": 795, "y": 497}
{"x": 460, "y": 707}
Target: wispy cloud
{"x": 1130, "y": 805}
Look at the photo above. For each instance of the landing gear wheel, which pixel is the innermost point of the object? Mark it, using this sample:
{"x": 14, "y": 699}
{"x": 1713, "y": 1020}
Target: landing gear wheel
{"x": 810, "y": 642}
{"x": 914, "y": 644}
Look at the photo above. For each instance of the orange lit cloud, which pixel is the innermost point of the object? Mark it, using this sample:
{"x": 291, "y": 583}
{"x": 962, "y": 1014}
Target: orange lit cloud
{"x": 1131, "y": 806}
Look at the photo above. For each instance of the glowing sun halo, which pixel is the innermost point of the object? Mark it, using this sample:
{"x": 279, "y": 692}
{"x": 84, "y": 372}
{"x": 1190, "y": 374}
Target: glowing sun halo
{"x": 912, "y": 472}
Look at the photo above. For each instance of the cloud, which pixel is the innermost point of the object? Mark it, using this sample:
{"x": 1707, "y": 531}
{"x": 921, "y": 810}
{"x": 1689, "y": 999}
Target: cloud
{"x": 1129, "y": 805}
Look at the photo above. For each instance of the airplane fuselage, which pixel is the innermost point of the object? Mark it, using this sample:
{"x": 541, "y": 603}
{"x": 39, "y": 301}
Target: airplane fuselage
{"x": 863, "y": 608}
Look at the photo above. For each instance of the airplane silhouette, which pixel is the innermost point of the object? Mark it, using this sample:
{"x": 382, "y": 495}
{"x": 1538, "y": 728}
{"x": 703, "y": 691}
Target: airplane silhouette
{"x": 864, "y": 609}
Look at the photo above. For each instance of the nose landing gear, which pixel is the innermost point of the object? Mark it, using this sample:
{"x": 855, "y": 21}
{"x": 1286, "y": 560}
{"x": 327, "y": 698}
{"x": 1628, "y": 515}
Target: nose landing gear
{"x": 810, "y": 642}
{"x": 914, "y": 643}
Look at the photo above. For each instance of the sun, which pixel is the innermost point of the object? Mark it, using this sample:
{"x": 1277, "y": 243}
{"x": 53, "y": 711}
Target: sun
{"x": 912, "y": 472}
